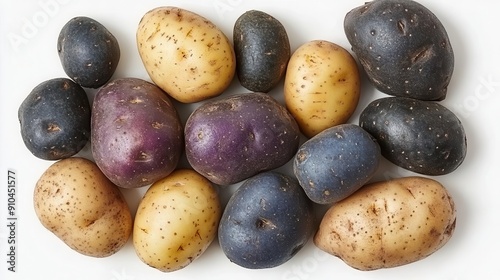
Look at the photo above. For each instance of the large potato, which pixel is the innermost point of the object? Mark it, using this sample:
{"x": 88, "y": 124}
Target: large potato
{"x": 185, "y": 54}
{"x": 403, "y": 48}
{"x": 390, "y": 223}
{"x": 76, "y": 202}
{"x": 233, "y": 138}
{"x": 136, "y": 133}
{"x": 176, "y": 221}
{"x": 322, "y": 86}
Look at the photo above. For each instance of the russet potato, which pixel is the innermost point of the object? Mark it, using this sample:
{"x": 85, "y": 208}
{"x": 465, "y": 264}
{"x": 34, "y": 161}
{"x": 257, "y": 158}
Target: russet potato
{"x": 389, "y": 223}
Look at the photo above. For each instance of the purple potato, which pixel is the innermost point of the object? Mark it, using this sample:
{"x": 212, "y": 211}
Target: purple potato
{"x": 136, "y": 133}
{"x": 231, "y": 139}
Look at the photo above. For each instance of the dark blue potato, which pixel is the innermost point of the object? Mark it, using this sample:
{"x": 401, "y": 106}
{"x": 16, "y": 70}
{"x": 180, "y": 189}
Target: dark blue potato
{"x": 230, "y": 139}
{"x": 136, "y": 133}
{"x": 336, "y": 162}
{"x": 55, "y": 119}
{"x": 262, "y": 50}
{"x": 422, "y": 136}
{"x": 403, "y": 47}
{"x": 89, "y": 53}
{"x": 266, "y": 221}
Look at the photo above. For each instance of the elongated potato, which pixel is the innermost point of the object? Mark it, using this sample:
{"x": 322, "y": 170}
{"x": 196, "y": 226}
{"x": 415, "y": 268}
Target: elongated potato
{"x": 76, "y": 202}
{"x": 388, "y": 224}
{"x": 185, "y": 54}
{"x": 176, "y": 221}
{"x": 322, "y": 86}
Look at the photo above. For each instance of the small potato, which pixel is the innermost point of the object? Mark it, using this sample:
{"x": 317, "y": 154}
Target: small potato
{"x": 185, "y": 54}
{"x": 176, "y": 221}
{"x": 388, "y": 224}
{"x": 322, "y": 86}
{"x": 76, "y": 202}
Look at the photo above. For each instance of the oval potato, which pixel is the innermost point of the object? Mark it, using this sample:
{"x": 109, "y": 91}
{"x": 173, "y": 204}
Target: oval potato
{"x": 322, "y": 86}
{"x": 176, "y": 220}
{"x": 388, "y": 224}
{"x": 185, "y": 54}
{"x": 76, "y": 202}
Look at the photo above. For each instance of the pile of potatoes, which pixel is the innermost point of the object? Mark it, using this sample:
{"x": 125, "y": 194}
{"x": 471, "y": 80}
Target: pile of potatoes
{"x": 137, "y": 140}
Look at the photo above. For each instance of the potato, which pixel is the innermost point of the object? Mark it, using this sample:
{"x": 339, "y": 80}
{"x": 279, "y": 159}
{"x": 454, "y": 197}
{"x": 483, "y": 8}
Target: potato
{"x": 422, "y": 136}
{"x": 267, "y": 220}
{"x": 233, "y": 138}
{"x": 176, "y": 220}
{"x": 185, "y": 54}
{"x": 76, "y": 202}
{"x": 55, "y": 119}
{"x": 89, "y": 53}
{"x": 336, "y": 162}
{"x": 262, "y": 50}
{"x": 403, "y": 48}
{"x": 136, "y": 132}
{"x": 322, "y": 86}
{"x": 389, "y": 223}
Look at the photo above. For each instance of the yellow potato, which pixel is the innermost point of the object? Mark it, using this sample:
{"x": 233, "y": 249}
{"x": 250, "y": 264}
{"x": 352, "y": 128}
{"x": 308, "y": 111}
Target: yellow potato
{"x": 185, "y": 54}
{"x": 176, "y": 221}
{"x": 322, "y": 86}
{"x": 75, "y": 201}
{"x": 388, "y": 224}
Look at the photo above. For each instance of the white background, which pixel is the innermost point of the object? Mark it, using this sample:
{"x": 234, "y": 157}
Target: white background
{"x": 28, "y": 56}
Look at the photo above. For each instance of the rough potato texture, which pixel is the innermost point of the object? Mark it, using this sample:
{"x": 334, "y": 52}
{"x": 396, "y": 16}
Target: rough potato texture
{"x": 77, "y": 203}
{"x": 388, "y": 224}
{"x": 185, "y": 54}
{"x": 176, "y": 220}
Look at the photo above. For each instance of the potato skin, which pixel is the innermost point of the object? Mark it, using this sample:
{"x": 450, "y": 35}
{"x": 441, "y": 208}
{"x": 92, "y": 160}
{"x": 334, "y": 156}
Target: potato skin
{"x": 389, "y": 223}
{"x": 262, "y": 50}
{"x": 403, "y": 48}
{"x": 136, "y": 133}
{"x": 266, "y": 221}
{"x": 76, "y": 202}
{"x": 176, "y": 220}
{"x": 322, "y": 86}
{"x": 336, "y": 162}
{"x": 422, "y": 136}
{"x": 233, "y": 138}
{"x": 89, "y": 53}
{"x": 185, "y": 54}
{"x": 55, "y": 119}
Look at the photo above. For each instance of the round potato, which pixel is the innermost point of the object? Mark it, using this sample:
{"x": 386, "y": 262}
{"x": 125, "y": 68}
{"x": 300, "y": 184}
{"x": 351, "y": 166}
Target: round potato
{"x": 76, "y": 202}
{"x": 176, "y": 221}
{"x": 388, "y": 224}
{"x": 185, "y": 54}
{"x": 322, "y": 86}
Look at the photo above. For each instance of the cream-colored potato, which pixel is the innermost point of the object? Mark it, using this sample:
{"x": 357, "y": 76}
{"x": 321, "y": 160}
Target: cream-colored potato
{"x": 75, "y": 201}
{"x": 185, "y": 54}
{"x": 322, "y": 86}
{"x": 388, "y": 224}
{"x": 176, "y": 221}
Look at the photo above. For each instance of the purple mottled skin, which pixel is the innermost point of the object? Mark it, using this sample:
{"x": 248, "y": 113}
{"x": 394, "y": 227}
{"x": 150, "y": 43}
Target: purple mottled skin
{"x": 136, "y": 133}
{"x": 231, "y": 139}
